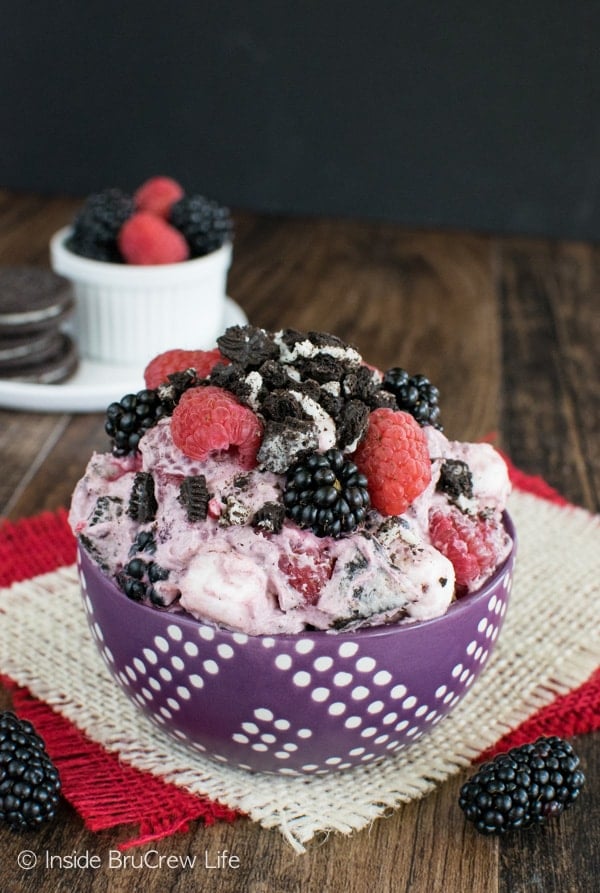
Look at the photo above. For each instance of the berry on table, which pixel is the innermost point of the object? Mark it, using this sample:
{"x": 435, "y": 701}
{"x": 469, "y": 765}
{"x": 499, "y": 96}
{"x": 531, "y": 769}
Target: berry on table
{"x": 205, "y": 224}
{"x": 526, "y": 786}
{"x": 29, "y": 781}
{"x": 148, "y": 240}
{"x": 414, "y": 394}
{"x": 326, "y": 493}
{"x": 393, "y": 455}
{"x": 178, "y": 360}
{"x": 210, "y": 420}
{"x": 157, "y": 195}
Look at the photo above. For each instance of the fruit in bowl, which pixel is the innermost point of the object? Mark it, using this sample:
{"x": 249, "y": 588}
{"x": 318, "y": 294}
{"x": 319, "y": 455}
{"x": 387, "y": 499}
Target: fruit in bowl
{"x": 285, "y": 562}
{"x": 147, "y": 269}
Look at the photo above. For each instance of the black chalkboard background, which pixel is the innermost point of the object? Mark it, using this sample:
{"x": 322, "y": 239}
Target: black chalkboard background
{"x": 461, "y": 114}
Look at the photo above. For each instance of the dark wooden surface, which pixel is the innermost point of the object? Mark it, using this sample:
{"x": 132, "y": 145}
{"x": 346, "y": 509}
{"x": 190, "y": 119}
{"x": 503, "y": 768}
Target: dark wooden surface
{"x": 509, "y": 329}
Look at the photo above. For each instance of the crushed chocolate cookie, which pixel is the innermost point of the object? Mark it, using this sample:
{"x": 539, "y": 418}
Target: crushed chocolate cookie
{"x": 247, "y": 345}
{"x": 355, "y": 565}
{"x": 291, "y": 337}
{"x": 241, "y": 481}
{"x": 455, "y": 479}
{"x": 92, "y": 551}
{"x": 142, "y": 501}
{"x": 382, "y": 399}
{"x": 281, "y": 405}
{"x": 284, "y": 442}
{"x": 309, "y": 388}
{"x": 326, "y": 339}
{"x": 352, "y": 422}
{"x": 170, "y": 392}
{"x": 360, "y": 384}
{"x": 333, "y": 404}
{"x": 343, "y": 622}
{"x": 274, "y": 376}
{"x": 194, "y": 497}
{"x": 321, "y": 368}
{"x": 106, "y": 508}
{"x": 234, "y": 512}
{"x": 231, "y": 378}
{"x": 269, "y": 517}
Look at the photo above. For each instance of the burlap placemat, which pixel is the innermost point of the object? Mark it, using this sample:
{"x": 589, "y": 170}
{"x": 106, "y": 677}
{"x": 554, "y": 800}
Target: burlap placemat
{"x": 550, "y": 644}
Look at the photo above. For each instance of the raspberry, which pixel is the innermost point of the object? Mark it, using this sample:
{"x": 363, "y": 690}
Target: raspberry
{"x": 209, "y": 420}
{"x": 165, "y": 364}
{"x": 307, "y": 570}
{"x": 471, "y": 543}
{"x": 157, "y": 195}
{"x": 146, "y": 239}
{"x": 394, "y": 457}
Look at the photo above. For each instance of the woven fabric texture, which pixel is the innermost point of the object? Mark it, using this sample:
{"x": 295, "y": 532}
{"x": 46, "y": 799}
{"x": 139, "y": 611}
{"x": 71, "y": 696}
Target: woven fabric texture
{"x": 549, "y": 646}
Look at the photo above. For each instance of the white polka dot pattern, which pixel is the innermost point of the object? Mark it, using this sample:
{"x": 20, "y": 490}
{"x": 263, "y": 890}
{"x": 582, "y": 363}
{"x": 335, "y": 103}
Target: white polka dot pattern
{"x": 291, "y": 705}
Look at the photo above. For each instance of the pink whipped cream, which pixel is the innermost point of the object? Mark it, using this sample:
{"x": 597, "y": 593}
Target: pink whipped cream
{"x": 226, "y": 571}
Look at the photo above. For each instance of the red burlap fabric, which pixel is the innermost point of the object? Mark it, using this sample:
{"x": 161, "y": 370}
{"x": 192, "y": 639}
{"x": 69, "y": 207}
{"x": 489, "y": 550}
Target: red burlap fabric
{"x": 107, "y": 793}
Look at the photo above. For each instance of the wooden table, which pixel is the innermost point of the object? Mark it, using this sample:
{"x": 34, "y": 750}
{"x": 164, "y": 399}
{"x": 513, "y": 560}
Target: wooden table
{"x": 509, "y": 328}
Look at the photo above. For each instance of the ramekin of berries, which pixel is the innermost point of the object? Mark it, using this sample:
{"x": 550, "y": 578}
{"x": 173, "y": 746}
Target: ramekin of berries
{"x": 148, "y": 268}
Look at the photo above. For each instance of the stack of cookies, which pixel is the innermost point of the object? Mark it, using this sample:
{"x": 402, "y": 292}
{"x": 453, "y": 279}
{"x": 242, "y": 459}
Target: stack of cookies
{"x": 34, "y": 305}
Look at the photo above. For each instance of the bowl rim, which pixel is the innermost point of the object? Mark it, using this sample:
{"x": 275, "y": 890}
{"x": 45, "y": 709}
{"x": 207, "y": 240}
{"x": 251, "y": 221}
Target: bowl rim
{"x": 456, "y": 608}
{"x": 67, "y": 263}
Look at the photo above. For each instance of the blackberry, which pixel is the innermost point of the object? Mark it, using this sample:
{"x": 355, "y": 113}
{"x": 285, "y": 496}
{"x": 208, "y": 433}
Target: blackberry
{"x": 205, "y": 224}
{"x": 414, "y": 394}
{"x": 326, "y": 493}
{"x": 129, "y": 419}
{"x": 130, "y": 580}
{"x": 137, "y": 579}
{"x": 526, "y": 786}
{"x": 143, "y": 542}
{"x": 96, "y": 226}
{"x": 29, "y": 782}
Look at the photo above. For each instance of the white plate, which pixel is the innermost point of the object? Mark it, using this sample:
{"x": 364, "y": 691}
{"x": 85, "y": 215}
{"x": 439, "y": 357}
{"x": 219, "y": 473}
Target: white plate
{"x": 93, "y": 386}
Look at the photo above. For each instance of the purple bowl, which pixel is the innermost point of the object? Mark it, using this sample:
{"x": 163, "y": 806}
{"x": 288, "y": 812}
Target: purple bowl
{"x": 294, "y": 704}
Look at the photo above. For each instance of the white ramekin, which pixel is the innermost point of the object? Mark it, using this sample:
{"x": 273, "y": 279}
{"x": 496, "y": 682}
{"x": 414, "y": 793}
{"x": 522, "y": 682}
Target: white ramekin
{"x": 127, "y": 314}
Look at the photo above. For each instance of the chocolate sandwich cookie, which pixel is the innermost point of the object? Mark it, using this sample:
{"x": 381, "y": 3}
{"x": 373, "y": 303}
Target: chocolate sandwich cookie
{"x": 54, "y": 368}
{"x": 32, "y": 300}
{"x": 37, "y": 347}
